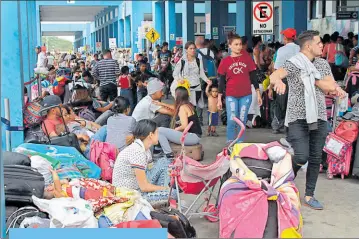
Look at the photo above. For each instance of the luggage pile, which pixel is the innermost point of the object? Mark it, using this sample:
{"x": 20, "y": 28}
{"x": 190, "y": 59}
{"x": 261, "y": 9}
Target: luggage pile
{"x": 262, "y": 185}
{"x": 88, "y": 201}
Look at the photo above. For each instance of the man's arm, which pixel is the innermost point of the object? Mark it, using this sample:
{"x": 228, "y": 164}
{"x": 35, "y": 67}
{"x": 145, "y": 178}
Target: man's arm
{"x": 327, "y": 84}
{"x": 276, "y": 80}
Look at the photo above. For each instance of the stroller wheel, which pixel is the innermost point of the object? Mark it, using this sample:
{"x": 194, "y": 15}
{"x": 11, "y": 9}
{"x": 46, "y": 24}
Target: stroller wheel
{"x": 211, "y": 208}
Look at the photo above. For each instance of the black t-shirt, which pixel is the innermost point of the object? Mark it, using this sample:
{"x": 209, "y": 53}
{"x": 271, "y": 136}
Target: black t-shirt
{"x": 165, "y": 58}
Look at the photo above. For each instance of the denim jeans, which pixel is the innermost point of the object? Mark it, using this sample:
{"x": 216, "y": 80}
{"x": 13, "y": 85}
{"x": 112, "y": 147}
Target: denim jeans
{"x": 165, "y": 136}
{"x": 308, "y": 147}
{"x": 127, "y": 93}
{"x": 236, "y": 107}
{"x": 100, "y": 135}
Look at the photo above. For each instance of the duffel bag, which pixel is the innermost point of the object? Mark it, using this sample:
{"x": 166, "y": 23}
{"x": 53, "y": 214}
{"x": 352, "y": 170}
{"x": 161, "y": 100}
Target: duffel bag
{"x": 21, "y": 182}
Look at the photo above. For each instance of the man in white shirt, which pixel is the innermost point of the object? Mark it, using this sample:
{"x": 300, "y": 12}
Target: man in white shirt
{"x": 50, "y": 59}
{"x": 284, "y": 53}
{"x": 150, "y": 108}
{"x": 41, "y": 58}
{"x": 289, "y": 49}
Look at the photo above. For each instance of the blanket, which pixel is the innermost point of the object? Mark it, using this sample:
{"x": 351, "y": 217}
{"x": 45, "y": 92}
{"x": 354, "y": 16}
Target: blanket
{"x": 243, "y": 205}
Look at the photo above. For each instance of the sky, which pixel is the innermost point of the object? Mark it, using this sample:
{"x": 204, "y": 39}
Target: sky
{"x": 68, "y": 38}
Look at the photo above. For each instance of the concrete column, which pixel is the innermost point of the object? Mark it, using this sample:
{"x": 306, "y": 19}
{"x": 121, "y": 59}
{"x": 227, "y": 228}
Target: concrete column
{"x": 139, "y": 8}
{"x": 244, "y": 18}
{"x": 121, "y": 33}
{"x": 159, "y": 20}
{"x": 218, "y": 12}
{"x": 38, "y": 25}
{"x": 294, "y": 15}
{"x": 128, "y": 32}
{"x": 170, "y": 19}
{"x": 187, "y": 21}
{"x": 12, "y": 64}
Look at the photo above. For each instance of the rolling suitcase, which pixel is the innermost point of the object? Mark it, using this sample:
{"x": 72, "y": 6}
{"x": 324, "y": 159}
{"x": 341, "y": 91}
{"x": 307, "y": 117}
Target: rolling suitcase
{"x": 355, "y": 172}
{"x": 20, "y": 183}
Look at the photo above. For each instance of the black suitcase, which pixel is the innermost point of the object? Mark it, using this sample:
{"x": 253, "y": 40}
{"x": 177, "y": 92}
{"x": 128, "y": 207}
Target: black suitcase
{"x": 12, "y": 158}
{"x": 21, "y": 182}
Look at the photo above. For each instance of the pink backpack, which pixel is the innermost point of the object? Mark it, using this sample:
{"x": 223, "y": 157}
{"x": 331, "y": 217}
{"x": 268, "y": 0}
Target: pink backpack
{"x": 339, "y": 154}
{"x": 104, "y": 155}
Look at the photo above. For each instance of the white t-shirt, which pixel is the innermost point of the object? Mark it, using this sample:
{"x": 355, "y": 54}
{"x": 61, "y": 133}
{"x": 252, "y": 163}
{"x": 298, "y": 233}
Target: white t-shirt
{"x": 285, "y": 53}
{"x": 50, "y": 60}
{"x": 204, "y": 52}
{"x": 41, "y": 60}
{"x": 145, "y": 109}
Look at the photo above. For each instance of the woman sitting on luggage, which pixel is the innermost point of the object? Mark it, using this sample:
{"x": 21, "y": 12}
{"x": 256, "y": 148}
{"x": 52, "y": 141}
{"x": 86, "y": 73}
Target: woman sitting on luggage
{"x": 184, "y": 114}
{"x": 120, "y": 125}
{"x": 133, "y": 168}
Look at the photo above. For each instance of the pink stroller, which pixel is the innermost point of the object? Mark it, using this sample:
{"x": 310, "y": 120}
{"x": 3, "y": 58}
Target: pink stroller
{"x": 192, "y": 177}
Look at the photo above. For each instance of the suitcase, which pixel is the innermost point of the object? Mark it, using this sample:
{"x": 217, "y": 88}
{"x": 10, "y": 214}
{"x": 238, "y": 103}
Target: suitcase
{"x": 21, "y": 182}
{"x": 194, "y": 151}
{"x": 355, "y": 172}
{"x": 12, "y": 158}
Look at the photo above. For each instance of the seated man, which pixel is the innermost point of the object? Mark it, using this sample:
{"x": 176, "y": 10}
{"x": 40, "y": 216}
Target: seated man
{"x": 52, "y": 106}
{"x": 146, "y": 109}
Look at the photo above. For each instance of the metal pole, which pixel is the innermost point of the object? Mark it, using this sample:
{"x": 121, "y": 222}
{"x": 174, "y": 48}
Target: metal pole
{"x": 7, "y": 116}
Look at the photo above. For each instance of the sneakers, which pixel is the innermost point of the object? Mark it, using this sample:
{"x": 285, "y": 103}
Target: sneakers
{"x": 212, "y": 134}
{"x": 313, "y": 204}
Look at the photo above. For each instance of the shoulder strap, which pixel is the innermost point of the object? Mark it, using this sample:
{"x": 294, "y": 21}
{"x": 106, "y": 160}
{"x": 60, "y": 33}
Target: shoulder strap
{"x": 208, "y": 52}
{"x": 198, "y": 64}
{"x": 183, "y": 62}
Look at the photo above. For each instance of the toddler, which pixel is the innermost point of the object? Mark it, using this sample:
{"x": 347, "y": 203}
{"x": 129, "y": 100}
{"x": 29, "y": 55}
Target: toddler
{"x": 212, "y": 94}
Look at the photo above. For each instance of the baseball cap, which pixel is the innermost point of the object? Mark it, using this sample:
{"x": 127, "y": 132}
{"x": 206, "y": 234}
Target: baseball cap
{"x": 289, "y": 33}
{"x": 49, "y": 102}
{"x": 154, "y": 85}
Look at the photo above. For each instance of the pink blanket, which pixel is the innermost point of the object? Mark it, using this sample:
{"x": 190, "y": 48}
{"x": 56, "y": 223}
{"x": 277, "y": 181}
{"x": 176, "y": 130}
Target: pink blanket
{"x": 243, "y": 206}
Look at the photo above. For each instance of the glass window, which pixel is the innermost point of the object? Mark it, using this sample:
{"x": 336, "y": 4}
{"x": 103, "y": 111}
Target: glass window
{"x": 116, "y": 12}
{"x": 111, "y": 15}
{"x": 195, "y": 27}
{"x": 103, "y": 19}
{"x": 202, "y": 27}
{"x": 107, "y": 17}
{"x": 313, "y": 9}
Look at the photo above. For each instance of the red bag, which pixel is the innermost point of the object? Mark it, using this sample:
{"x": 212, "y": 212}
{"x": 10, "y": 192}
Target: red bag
{"x": 104, "y": 155}
{"x": 347, "y": 130}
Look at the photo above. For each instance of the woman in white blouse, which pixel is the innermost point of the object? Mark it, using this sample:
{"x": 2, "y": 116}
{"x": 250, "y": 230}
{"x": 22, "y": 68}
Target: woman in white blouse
{"x": 190, "y": 67}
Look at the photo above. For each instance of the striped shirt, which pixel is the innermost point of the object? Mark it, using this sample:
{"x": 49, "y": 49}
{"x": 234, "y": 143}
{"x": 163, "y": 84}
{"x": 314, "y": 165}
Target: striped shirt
{"x": 106, "y": 71}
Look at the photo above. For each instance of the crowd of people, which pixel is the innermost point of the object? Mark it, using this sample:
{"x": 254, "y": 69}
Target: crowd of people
{"x": 232, "y": 80}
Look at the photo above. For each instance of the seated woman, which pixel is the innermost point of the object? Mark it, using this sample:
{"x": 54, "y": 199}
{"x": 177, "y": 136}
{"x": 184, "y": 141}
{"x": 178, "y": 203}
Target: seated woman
{"x": 120, "y": 125}
{"x": 133, "y": 169}
{"x": 184, "y": 114}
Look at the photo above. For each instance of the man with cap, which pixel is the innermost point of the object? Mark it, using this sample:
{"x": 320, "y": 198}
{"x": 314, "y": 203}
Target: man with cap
{"x": 284, "y": 53}
{"x": 149, "y": 108}
{"x": 51, "y": 105}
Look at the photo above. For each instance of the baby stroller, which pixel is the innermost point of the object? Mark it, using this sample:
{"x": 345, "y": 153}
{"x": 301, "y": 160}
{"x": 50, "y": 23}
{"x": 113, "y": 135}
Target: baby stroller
{"x": 191, "y": 177}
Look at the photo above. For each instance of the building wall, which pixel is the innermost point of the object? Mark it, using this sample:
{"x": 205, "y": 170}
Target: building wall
{"x": 328, "y": 23}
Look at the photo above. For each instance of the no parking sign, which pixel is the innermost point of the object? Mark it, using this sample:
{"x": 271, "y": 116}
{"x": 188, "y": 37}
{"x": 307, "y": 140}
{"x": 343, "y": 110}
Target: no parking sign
{"x": 262, "y": 18}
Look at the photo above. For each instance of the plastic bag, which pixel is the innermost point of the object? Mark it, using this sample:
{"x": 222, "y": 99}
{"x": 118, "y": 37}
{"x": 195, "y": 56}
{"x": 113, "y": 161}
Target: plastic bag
{"x": 67, "y": 212}
{"x": 35, "y": 222}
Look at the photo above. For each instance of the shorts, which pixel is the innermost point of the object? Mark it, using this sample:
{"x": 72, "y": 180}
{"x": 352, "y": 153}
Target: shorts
{"x": 213, "y": 118}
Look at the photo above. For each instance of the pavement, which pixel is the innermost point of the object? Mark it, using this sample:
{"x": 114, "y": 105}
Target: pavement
{"x": 340, "y": 218}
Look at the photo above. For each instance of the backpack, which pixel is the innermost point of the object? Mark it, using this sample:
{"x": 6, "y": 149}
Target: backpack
{"x": 339, "y": 154}
{"x": 103, "y": 155}
{"x": 183, "y": 62}
{"x": 209, "y": 64}
{"x": 347, "y": 130}
{"x": 32, "y": 115}
{"x": 176, "y": 223}
{"x": 87, "y": 114}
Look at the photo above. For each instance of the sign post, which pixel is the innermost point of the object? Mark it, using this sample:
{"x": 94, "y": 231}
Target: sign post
{"x": 98, "y": 46}
{"x": 112, "y": 43}
{"x": 262, "y": 18}
{"x": 152, "y": 35}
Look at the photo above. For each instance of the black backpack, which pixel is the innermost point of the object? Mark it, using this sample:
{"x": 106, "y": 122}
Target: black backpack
{"x": 176, "y": 223}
